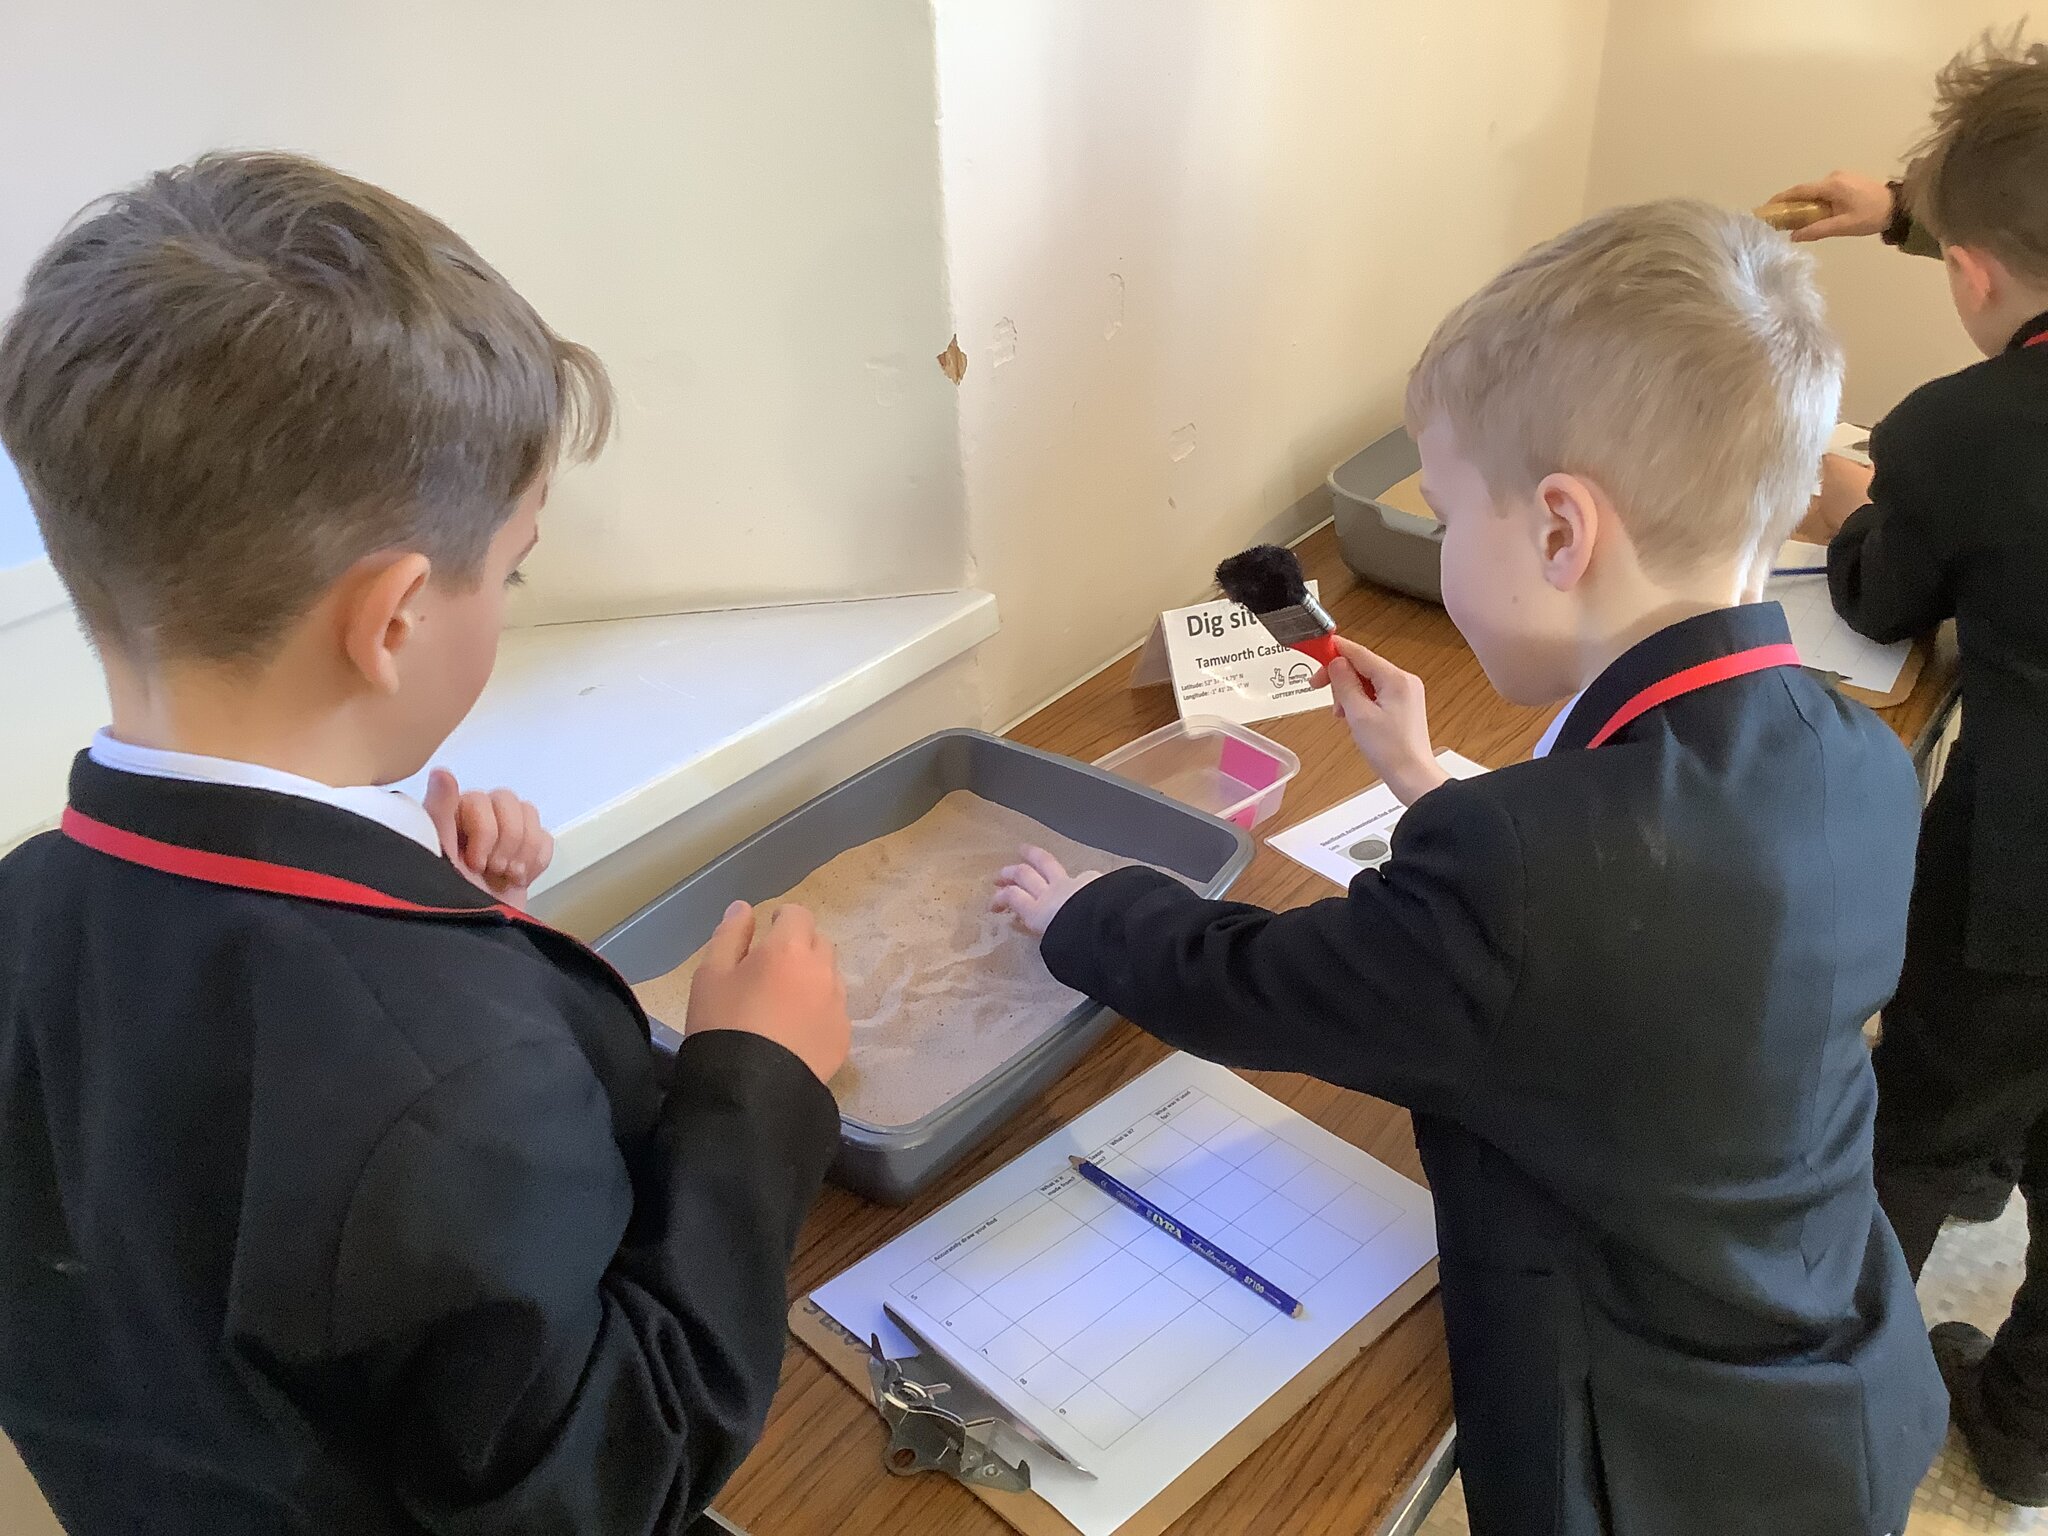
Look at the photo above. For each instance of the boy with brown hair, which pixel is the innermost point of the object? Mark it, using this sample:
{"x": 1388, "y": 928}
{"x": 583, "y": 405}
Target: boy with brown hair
{"x": 1621, "y": 986}
{"x": 1954, "y": 524}
{"x": 335, "y": 1194}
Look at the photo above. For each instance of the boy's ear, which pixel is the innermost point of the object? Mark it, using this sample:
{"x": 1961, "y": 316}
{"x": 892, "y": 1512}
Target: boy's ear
{"x": 1974, "y": 273}
{"x": 381, "y": 614}
{"x": 1571, "y": 518}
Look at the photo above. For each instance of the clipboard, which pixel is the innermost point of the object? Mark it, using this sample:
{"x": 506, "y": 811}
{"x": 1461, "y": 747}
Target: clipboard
{"x": 1026, "y": 1512}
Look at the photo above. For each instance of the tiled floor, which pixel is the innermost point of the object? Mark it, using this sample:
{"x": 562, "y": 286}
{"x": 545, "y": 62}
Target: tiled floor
{"x": 1972, "y": 1275}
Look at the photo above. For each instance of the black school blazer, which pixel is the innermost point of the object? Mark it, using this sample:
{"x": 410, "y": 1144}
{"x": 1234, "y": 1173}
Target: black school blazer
{"x": 320, "y": 1217}
{"x": 1957, "y": 527}
{"x": 1622, "y": 989}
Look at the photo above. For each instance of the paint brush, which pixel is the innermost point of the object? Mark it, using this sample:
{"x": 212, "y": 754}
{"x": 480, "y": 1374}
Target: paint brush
{"x": 1267, "y": 579}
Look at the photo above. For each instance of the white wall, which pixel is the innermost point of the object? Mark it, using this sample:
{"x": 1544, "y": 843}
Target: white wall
{"x": 737, "y": 205}
{"x": 19, "y": 542}
{"x": 1734, "y": 99}
{"x": 1195, "y": 246}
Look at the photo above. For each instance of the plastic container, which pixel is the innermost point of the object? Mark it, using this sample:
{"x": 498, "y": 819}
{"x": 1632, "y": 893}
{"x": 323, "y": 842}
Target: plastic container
{"x": 892, "y": 1163}
{"x": 1213, "y": 765}
{"x": 1381, "y": 543}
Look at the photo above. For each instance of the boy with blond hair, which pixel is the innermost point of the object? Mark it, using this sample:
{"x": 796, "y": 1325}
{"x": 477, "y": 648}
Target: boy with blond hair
{"x": 1620, "y": 986}
{"x": 335, "y": 1194}
{"x": 1954, "y": 524}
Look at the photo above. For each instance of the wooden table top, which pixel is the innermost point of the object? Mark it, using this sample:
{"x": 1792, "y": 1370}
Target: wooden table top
{"x": 1337, "y": 1466}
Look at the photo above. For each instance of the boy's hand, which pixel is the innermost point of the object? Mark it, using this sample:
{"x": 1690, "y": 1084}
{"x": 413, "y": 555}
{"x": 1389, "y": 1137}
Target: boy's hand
{"x": 495, "y": 838}
{"x": 1844, "y": 488}
{"x": 783, "y": 985}
{"x": 1389, "y": 721}
{"x": 1035, "y": 890}
{"x": 1857, "y": 205}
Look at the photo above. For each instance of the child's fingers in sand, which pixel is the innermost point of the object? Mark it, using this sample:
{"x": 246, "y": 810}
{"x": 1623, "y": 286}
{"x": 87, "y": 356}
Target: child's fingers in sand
{"x": 733, "y": 938}
{"x": 795, "y": 927}
{"x": 1022, "y": 877}
{"x": 1047, "y": 866}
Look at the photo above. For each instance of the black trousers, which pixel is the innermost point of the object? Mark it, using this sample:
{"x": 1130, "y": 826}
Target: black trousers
{"x": 1962, "y": 1084}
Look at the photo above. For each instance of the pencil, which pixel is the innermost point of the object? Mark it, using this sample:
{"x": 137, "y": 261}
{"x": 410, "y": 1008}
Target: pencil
{"x": 1186, "y": 1236}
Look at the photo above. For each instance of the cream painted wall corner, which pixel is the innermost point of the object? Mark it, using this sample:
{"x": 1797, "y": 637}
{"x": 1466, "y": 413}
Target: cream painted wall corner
{"x": 737, "y": 206}
{"x": 1731, "y": 100}
{"x": 1194, "y": 246}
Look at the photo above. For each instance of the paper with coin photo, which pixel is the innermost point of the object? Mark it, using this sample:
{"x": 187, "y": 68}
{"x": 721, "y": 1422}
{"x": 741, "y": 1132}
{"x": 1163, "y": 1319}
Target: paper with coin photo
{"x": 1356, "y": 834}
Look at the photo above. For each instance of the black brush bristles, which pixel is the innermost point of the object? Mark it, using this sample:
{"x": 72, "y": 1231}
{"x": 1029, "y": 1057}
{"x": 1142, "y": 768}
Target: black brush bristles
{"x": 1265, "y": 579}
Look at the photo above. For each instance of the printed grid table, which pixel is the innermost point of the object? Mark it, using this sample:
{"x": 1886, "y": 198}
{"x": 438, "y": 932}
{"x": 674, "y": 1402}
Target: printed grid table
{"x": 1100, "y": 1317}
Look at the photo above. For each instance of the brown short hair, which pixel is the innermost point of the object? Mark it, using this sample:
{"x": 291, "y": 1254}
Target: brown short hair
{"x": 1676, "y": 353}
{"x": 1981, "y": 174}
{"x": 226, "y": 385}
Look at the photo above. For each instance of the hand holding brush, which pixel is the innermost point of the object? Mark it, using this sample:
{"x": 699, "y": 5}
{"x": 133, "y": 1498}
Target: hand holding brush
{"x": 1267, "y": 579}
{"x": 1381, "y": 705}
{"x": 1388, "y": 717}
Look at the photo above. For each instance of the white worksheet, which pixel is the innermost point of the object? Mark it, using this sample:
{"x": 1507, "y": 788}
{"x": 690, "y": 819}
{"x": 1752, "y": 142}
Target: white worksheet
{"x": 1114, "y": 1342}
{"x": 1357, "y": 834}
{"x": 1851, "y": 442}
{"x": 1826, "y": 643}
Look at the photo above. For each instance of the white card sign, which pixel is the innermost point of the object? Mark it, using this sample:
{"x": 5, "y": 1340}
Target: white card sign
{"x": 1222, "y": 662}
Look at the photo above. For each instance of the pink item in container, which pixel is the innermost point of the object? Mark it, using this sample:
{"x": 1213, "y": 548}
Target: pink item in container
{"x": 1234, "y": 774}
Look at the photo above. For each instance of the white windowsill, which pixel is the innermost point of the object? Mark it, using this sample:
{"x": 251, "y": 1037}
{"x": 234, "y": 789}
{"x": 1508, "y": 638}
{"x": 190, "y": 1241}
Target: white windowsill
{"x": 612, "y": 728}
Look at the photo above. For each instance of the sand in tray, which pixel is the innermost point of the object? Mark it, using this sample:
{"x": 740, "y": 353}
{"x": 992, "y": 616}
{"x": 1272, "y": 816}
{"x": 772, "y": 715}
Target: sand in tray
{"x": 941, "y": 990}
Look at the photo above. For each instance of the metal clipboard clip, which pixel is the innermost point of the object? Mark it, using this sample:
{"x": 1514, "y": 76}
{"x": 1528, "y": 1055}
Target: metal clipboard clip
{"x": 937, "y": 1425}
{"x": 941, "y": 1422}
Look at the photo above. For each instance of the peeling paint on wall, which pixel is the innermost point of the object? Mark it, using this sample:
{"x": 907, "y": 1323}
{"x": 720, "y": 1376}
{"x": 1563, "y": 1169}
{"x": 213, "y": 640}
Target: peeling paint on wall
{"x": 1004, "y": 348}
{"x": 1181, "y": 443}
{"x": 1115, "y": 322}
{"x": 953, "y": 362}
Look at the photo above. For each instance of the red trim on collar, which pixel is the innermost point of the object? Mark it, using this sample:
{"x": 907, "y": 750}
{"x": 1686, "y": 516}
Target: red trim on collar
{"x": 306, "y": 884}
{"x": 2036, "y": 341}
{"x": 256, "y": 874}
{"x": 1758, "y": 659}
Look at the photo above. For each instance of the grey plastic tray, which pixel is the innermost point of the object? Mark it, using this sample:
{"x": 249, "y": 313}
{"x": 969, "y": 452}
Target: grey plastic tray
{"x": 892, "y": 1163}
{"x": 1381, "y": 543}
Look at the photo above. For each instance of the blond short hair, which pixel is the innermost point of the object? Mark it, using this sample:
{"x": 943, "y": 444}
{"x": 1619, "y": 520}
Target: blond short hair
{"x": 1981, "y": 175}
{"x": 1675, "y": 353}
{"x": 226, "y": 385}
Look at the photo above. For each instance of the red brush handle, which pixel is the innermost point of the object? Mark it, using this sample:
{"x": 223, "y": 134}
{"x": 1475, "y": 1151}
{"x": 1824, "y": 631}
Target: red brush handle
{"x": 1323, "y": 648}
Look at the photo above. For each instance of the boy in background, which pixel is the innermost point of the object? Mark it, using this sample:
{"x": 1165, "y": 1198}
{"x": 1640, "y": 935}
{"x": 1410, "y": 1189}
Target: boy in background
{"x": 334, "y": 1194}
{"x": 1621, "y": 986}
{"x": 1954, "y": 524}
